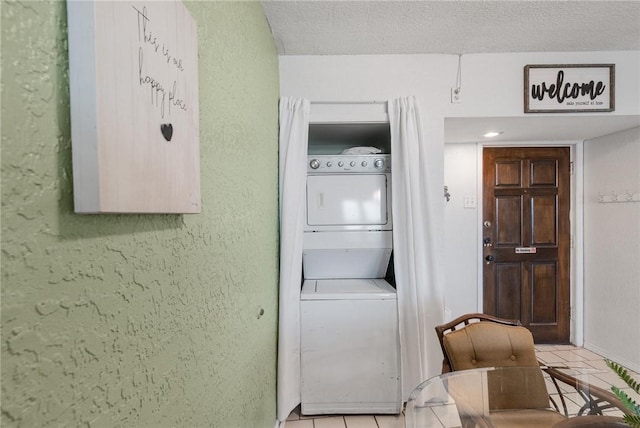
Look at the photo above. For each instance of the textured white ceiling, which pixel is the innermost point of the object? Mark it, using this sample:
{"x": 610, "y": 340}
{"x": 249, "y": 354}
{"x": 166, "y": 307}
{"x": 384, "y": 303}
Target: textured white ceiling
{"x": 324, "y": 27}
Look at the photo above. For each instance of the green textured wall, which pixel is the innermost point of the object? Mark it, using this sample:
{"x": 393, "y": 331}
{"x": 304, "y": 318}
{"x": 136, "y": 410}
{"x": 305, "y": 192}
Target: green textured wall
{"x": 140, "y": 320}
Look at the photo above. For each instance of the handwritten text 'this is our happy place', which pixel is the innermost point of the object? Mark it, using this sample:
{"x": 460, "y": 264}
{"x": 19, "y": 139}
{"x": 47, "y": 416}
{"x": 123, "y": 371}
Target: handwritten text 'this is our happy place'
{"x": 160, "y": 94}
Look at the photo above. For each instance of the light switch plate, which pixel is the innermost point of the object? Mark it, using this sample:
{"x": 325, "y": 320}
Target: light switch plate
{"x": 469, "y": 202}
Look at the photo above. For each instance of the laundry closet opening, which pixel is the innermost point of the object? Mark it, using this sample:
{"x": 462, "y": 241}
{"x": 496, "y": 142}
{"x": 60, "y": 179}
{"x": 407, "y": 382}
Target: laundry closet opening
{"x": 349, "y": 340}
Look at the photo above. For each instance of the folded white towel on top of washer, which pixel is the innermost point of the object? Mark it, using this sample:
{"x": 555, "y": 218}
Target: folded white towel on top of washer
{"x": 361, "y": 150}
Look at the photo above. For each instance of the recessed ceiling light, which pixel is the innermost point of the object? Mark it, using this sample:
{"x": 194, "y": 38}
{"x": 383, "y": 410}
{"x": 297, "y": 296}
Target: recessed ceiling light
{"x": 492, "y": 134}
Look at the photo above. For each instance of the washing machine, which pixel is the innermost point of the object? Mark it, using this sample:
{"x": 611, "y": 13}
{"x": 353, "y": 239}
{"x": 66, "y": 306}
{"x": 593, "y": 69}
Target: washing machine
{"x": 349, "y": 347}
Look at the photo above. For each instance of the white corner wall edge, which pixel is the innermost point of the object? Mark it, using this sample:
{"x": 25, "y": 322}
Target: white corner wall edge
{"x": 606, "y": 354}
{"x": 82, "y": 78}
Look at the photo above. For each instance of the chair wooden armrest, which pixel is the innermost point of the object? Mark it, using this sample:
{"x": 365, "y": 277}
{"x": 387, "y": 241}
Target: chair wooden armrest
{"x": 596, "y": 399}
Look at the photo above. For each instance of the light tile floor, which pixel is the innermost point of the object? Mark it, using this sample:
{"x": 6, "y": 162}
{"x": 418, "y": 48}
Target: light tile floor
{"x": 567, "y": 355}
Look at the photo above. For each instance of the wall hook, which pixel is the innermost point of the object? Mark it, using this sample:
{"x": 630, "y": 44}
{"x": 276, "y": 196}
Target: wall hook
{"x": 447, "y": 195}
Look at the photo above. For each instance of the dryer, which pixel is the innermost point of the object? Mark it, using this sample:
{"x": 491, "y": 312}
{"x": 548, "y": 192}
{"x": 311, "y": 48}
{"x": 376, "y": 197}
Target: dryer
{"x": 348, "y": 192}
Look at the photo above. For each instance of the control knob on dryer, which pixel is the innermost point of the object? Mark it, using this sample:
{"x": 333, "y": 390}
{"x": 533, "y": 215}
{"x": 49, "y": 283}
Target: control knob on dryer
{"x": 314, "y": 164}
{"x": 378, "y": 163}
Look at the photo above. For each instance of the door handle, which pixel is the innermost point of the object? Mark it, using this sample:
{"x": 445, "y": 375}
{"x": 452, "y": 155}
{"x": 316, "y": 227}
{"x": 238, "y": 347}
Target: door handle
{"x": 490, "y": 259}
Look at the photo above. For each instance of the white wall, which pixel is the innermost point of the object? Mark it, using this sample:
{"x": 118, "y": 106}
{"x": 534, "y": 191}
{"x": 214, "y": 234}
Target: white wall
{"x": 612, "y": 247}
{"x": 492, "y": 83}
{"x": 492, "y": 86}
{"x": 461, "y": 230}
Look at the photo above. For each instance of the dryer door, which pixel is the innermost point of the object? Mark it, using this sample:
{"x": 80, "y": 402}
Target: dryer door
{"x": 348, "y": 201}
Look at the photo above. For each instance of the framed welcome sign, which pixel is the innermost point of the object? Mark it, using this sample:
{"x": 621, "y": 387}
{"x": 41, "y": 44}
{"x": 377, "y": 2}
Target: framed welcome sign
{"x": 133, "y": 69}
{"x": 569, "y": 88}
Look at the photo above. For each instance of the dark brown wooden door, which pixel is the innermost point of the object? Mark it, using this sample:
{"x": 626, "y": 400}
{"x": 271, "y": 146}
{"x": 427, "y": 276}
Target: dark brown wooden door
{"x": 526, "y": 238}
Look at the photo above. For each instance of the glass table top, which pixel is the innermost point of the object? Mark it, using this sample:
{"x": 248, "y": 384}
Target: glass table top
{"x": 508, "y": 397}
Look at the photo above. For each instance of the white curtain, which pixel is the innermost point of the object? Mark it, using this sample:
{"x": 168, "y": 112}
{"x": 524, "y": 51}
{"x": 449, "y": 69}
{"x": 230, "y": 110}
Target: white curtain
{"x": 294, "y": 134}
{"x": 418, "y": 281}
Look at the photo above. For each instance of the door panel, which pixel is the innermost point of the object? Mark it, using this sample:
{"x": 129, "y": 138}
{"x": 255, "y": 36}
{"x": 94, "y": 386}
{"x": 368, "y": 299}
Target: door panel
{"x": 544, "y": 173}
{"x": 527, "y": 238}
{"x": 508, "y": 173}
{"x": 507, "y": 220}
{"x": 543, "y": 289}
{"x": 508, "y": 295}
{"x": 543, "y": 221}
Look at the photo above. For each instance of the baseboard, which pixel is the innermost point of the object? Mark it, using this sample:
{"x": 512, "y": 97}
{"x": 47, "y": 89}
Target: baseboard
{"x": 631, "y": 365}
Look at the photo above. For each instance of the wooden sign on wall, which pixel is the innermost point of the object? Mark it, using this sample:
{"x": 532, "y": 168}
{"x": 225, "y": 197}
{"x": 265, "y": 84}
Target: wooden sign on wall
{"x": 569, "y": 88}
{"x": 133, "y": 70}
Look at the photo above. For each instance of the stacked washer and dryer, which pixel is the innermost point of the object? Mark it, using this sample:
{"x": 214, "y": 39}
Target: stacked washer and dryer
{"x": 350, "y": 358}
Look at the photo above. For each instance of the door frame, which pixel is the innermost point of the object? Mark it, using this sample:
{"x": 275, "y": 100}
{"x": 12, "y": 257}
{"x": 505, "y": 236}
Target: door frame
{"x": 576, "y": 219}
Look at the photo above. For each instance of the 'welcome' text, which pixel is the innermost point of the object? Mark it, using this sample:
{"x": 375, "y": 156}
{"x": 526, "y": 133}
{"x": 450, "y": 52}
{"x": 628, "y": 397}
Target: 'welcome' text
{"x": 562, "y": 91}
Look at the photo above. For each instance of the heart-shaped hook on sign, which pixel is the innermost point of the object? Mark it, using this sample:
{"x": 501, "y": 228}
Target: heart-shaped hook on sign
{"x": 167, "y": 131}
